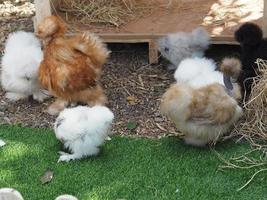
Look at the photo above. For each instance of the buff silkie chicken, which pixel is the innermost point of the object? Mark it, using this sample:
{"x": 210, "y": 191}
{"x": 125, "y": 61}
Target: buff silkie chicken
{"x": 203, "y": 103}
{"x": 71, "y": 66}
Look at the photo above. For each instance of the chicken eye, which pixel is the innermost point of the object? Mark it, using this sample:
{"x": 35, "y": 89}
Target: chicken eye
{"x": 166, "y": 49}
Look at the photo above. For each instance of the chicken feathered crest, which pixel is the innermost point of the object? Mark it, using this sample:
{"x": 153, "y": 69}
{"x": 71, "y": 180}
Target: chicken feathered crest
{"x": 72, "y": 65}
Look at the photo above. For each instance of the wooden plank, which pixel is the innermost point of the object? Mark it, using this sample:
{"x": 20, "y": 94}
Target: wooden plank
{"x": 151, "y": 39}
{"x": 153, "y": 52}
{"x": 43, "y": 9}
{"x": 165, "y": 20}
{"x": 146, "y": 38}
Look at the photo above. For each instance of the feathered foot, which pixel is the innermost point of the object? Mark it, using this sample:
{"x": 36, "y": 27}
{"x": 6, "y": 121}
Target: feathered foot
{"x": 57, "y": 106}
{"x": 12, "y": 96}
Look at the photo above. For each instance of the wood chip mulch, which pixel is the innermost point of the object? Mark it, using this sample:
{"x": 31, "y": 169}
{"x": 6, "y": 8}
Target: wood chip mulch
{"x": 133, "y": 88}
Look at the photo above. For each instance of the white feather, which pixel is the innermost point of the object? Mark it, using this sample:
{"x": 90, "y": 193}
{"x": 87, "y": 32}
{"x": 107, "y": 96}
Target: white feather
{"x": 198, "y": 72}
{"x": 177, "y": 46}
{"x": 20, "y": 65}
{"x": 82, "y": 130}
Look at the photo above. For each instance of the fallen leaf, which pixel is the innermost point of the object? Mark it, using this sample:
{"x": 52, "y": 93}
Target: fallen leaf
{"x": 47, "y": 177}
{"x": 132, "y": 100}
{"x": 108, "y": 138}
{"x": 131, "y": 125}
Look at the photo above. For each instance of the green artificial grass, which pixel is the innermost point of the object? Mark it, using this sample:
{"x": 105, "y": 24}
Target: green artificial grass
{"x": 126, "y": 168}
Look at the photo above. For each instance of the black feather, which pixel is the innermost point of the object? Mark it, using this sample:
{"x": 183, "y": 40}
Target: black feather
{"x": 253, "y": 46}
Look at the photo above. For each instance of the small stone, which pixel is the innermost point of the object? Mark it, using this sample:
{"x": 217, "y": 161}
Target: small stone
{"x": 3, "y": 103}
{"x": 10, "y": 193}
{"x": 66, "y": 197}
{"x": 7, "y": 120}
{"x": 2, "y": 143}
{"x": 158, "y": 119}
{"x": 3, "y": 108}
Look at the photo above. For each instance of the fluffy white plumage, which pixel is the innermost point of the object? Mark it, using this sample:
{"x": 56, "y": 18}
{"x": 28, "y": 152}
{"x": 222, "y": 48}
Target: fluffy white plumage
{"x": 177, "y": 46}
{"x": 199, "y": 104}
{"x": 198, "y": 72}
{"x": 82, "y": 130}
{"x": 20, "y": 65}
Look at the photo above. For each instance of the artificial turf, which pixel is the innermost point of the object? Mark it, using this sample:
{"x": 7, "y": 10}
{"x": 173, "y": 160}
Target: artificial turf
{"x": 126, "y": 168}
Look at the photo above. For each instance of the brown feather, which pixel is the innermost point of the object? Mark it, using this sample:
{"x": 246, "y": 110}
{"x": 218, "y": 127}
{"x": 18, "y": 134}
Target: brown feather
{"x": 71, "y": 66}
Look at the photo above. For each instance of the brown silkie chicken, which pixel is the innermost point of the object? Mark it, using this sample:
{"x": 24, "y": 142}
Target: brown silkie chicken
{"x": 203, "y": 103}
{"x": 71, "y": 66}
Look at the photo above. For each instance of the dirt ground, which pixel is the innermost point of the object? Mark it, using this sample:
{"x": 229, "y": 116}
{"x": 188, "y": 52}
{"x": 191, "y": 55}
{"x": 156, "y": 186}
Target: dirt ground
{"x": 133, "y": 87}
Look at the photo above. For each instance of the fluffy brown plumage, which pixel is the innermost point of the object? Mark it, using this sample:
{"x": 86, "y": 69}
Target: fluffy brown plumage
{"x": 202, "y": 111}
{"x": 203, "y": 115}
{"x": 72, "y": 65}
{"x": 231, "y": 67}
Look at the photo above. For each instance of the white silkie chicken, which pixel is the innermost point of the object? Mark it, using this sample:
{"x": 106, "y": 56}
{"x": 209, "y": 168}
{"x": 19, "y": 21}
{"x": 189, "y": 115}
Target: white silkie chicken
{"x": 20, "y": 64}
{"x": 82, "y": 130}
{"x": 177, "y": 46}
{"x": 203, "y": 102}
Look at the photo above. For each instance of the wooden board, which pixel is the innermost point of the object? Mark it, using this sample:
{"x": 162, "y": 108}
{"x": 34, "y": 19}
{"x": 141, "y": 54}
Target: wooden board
{"x": 220, "y": 17}
{"x": 186, "y": 15}
{"x": 43, "y": 9}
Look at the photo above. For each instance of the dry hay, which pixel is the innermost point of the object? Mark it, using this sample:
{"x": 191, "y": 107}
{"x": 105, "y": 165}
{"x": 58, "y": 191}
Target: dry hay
{"x": 113, "y": 12}
{"x": 245, "y": 161}
{"x": 254, "y": 126}
{"x": 109, "y": 12}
